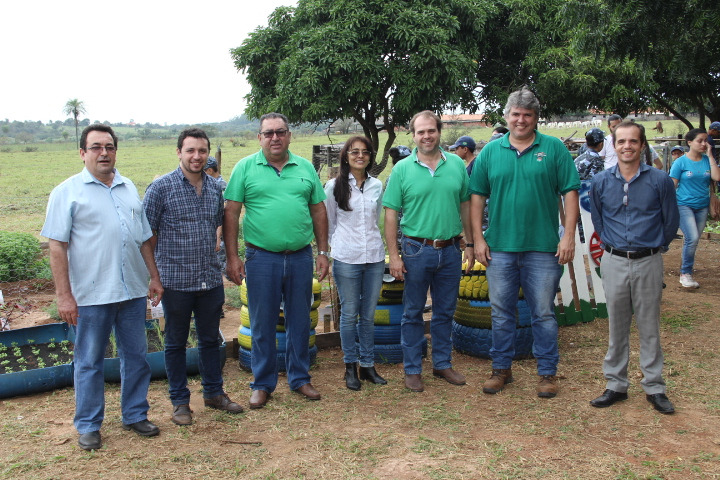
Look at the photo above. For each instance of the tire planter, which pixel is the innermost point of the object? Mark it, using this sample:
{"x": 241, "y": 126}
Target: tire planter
{"x": 245, "y": 339}
{"x": 316, "y": 288}
{"x": 157, "y": 360}
{"x": 245, "y": 319}
{"x": 389, "y": 314}
{"x": 391, "y": 293}
{"x": 245, "y": 357}
{"x": 38, "y": 379}
{"x": 393, "y": 353}
{"x": 386, "y": 334}
{"x": 478, "y": 341}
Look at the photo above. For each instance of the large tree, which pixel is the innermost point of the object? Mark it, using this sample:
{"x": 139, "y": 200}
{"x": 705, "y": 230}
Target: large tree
{"x": 376, "y": 61}
{"x": 75, "y": 107}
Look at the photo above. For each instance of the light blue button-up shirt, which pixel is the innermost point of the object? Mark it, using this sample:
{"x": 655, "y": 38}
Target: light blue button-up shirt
{"x": 104, "y": 228}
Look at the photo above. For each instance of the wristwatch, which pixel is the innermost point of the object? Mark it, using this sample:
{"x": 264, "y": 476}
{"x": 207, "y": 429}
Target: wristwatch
{"x": 321, "y": 252}
{"x": 471, "y": 245}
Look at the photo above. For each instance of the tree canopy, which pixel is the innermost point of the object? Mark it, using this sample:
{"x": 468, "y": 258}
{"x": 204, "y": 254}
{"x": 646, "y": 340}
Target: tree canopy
{"x": 376, "y": 61}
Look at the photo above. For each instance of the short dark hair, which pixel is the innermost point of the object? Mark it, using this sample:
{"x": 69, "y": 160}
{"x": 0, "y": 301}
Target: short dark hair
{"x": 643, "y": 138}
{"x": 614, "y": 117}
{"x": 96, "y": 127}
{"x": 426, "y": 113}
{"x": 690, "y": 136}
{"x": 274, "y": 115}
{"x": 194, "y": 133}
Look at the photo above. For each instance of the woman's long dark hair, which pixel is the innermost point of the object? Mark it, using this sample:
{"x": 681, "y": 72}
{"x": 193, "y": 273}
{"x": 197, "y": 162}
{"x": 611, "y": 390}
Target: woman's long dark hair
{"x": 342, "y": 185}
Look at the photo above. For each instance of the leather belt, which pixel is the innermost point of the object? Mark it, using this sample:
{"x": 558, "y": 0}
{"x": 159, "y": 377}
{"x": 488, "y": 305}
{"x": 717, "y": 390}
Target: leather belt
{"x": 435, "y": 243}
{"x": 632, "y": 255}
{"x": 283, "y": 252}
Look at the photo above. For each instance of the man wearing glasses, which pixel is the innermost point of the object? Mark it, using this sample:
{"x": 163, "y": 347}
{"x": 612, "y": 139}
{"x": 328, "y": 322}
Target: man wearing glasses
{"x": 100, "y": 255}
{"x": 431, "y": 189}
{"x": 635, "y": 212}
{"x": 284, "y": 208}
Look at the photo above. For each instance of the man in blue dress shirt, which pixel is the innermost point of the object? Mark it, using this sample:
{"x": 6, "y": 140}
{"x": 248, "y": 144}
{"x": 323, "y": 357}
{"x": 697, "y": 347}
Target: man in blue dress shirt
{"x": 634, "y": 210}
{"x": 100, "y": 256}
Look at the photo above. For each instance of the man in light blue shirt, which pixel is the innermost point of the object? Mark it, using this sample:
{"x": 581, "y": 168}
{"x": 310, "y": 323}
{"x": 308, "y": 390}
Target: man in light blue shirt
{"x": 100, "y": 256}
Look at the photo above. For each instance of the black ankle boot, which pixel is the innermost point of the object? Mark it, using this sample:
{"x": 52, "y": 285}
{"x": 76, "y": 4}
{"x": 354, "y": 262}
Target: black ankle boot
{"x": 369, "y": 373}
{"x": 351, "y": 376}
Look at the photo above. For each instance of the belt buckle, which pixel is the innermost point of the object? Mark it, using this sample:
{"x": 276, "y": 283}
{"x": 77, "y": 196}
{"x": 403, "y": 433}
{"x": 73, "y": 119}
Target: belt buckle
{"x": 434, "y": 245}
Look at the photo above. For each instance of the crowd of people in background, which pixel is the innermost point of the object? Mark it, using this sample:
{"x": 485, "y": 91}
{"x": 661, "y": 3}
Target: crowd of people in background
{"x": 437, "y": 211}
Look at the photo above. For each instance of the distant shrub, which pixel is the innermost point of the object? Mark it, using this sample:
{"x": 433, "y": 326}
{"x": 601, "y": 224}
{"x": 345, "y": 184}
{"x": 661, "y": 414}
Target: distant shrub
{"x": 30, "y": 149}
{"x": 6, "y": 150}
{"x": 20, "y": 257}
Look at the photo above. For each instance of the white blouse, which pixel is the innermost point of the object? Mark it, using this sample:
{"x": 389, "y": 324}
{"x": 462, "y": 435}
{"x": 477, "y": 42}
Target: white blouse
{"x": 354, "y": 236}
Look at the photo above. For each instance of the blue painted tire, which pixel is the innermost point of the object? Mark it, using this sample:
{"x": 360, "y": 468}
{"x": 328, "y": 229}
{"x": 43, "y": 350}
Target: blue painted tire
{"x": 245, "y": 357}
{"x": 478, "y": 341}
{"x": 389, "y": 314}
{"x": 245, "y": 339}
{"x": 523, "y": 314}
{"x": 387, "y": 334}
{"x": 394, "y": 353}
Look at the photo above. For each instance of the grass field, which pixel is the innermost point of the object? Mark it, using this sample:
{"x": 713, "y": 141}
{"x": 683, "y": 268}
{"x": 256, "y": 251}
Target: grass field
{"x": 26, "y": 178}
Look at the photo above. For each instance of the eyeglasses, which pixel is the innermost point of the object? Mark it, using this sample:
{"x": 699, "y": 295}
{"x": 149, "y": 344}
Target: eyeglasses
{"x": 280, "y": 132}
{"x": 357, "y": 153}
{"x": 98, "y": 149}
{"x": 625, "y": 197}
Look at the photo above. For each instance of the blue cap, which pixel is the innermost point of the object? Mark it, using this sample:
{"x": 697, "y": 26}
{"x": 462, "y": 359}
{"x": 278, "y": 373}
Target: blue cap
{"x": 715, "y": 126}
{"x": 594, "y": 136}
{"x": 678, "y": 148}
{"x": 211, "y": 163}
{"x": 464, "y": 141}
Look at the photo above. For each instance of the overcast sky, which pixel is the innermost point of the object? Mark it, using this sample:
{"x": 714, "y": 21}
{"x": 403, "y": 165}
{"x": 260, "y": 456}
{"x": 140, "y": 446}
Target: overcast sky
{"x": 155, "y": 61}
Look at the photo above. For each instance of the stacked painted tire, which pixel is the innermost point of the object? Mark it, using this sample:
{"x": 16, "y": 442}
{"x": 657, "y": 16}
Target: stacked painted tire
{"x": 245, "y": 334}
{"x": 388, "y": 315}
{"x": 472, "y": 323}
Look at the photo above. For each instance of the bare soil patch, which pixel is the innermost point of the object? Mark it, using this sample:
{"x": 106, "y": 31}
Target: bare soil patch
{"x": 388, "y": 432}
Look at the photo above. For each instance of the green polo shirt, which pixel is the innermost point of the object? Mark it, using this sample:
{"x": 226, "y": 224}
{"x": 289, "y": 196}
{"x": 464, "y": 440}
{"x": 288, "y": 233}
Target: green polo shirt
{"x": 277, "y": 213}
{"x": 523, "y": 192}
{"x": 430, "y": 203}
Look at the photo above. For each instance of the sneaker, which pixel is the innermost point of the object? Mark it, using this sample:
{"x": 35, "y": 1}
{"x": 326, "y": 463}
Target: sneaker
{"x": 547, "y": 386}
{"x": 498, "y": 379}
{"x": 687, "y": 281}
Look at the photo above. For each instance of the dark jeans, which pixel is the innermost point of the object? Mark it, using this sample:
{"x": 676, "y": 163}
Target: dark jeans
{"x": 179, "y": 307}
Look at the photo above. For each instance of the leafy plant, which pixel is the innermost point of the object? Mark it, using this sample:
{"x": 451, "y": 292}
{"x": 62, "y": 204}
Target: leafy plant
{"x": 19, "y": 256}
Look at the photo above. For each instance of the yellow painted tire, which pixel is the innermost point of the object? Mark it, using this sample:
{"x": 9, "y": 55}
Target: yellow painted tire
{"x": 245, "y": 319}
{"x": 316, "y": 289}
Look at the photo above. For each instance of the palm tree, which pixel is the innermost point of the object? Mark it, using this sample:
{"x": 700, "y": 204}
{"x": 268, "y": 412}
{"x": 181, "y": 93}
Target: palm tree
{"x": 76, "y": 107}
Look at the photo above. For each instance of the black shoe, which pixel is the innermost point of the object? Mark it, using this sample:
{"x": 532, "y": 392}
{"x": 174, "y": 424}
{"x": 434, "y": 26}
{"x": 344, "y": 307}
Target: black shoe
{"x": 609, "y": 397}
{"x": 351, "y": 376}
{"x": 144, "y": 428}
{"x": 661, "y": 403}
{"x": 369, "y": 373}
{"x": 90, "y": 441}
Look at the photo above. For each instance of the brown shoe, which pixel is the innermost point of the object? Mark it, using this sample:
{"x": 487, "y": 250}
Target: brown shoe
{"x": 498, "y": 379}
{"x": 450, "y": 375}
{"x": 182, "y": 415}
{"x": 414, "y": 382}
{"x": 547, "y": 386}
{"x": 309, "y": 392}
{"x": 258, "y": 399}
{"x": 223, "y": 402}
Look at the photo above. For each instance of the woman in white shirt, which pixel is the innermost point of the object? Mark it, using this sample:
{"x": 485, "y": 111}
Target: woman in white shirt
{"x": 354, "y": 203}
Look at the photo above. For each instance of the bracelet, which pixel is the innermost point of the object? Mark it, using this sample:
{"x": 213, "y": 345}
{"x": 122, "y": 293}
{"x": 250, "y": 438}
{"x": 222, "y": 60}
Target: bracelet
{"x": 470, "y": 245}
{"x": 320, "y": 252}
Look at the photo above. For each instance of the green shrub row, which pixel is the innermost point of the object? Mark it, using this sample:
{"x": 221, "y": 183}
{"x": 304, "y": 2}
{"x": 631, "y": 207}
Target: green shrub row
{"x": 21, "y": 258}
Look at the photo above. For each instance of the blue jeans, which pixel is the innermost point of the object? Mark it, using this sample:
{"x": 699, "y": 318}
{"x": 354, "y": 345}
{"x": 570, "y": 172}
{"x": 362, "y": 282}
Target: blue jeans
{"x": 538, "y": 273}
{"x": 440, "y": 270}
{"x": 179, "y": 307}
{"x": 359, "y": 288}
{"x": 95, "y": 322}
{"x": 273, "y": 278}
{"x": 692, "y": 224}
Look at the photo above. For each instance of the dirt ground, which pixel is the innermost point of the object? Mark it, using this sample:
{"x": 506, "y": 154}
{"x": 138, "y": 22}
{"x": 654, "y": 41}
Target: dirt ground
{"x": 388, "y": 432}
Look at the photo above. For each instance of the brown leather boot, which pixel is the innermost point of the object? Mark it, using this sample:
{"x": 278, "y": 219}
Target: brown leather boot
{"x": 498, "y": 379}
{"x": 414, "y": 382}
{"x": 547, "y": 386}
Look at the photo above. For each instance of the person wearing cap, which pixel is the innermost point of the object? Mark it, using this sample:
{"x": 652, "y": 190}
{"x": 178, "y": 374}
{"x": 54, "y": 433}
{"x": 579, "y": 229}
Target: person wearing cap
{"x": 589, "y": 163}
{"x": 211, "y": 168}
{"x": 431, "y": 188}
{"x": 465, "y": 149}
{"x": 184, "y": 209}
{"x": 676, "y": 152}
{"x": 713, "y": 134}
{"x": 608, "y": 150}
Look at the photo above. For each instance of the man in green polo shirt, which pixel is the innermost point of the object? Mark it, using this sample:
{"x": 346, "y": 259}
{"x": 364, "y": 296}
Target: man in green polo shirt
{"x": 284, "y": 208}
{"x": 431, "y": 189}
{"x": 525, "y": 173}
